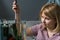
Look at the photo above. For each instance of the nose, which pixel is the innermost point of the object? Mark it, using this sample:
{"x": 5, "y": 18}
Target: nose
{"x": 43, "y": 20}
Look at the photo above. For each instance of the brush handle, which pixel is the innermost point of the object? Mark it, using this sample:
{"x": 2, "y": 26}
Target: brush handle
{"x": 16, "y": 1}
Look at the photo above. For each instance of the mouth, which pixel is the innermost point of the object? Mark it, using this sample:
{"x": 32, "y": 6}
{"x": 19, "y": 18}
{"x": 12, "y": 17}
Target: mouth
{"x": 43, "y": 24}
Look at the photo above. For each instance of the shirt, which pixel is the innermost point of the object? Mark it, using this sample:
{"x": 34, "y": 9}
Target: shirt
{"x": 41, "y": 33}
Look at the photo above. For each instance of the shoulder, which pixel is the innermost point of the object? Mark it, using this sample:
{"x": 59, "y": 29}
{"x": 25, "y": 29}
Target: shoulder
{"x": 37, "y": 26}
{"x": 58, "y": 37}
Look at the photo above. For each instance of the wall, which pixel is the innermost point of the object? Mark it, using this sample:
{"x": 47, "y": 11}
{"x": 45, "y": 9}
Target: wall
{"x": 29, "y": 9}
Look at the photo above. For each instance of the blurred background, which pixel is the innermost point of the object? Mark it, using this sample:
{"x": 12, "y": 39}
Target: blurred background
{"x": 29, "y": 11}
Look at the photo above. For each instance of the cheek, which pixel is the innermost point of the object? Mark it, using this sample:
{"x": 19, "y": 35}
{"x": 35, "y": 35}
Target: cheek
{"x": 48, "y": 22}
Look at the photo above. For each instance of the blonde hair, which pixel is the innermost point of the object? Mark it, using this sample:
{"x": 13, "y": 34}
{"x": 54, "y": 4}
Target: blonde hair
{"x": 52, "y": 11}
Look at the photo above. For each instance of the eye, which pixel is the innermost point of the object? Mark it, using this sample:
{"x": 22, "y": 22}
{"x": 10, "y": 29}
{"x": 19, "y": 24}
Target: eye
{"x": 47, "y": 18}
{"x": 42, "y": 17}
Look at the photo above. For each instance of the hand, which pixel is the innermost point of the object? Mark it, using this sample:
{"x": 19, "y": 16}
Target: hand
{"x": 15, "y": 7}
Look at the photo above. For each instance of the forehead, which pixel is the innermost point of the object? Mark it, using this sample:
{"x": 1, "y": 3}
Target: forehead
{"x": 44, "y": 12}
{"x": 47, "y": 13}
{"x": 44, "y": 15}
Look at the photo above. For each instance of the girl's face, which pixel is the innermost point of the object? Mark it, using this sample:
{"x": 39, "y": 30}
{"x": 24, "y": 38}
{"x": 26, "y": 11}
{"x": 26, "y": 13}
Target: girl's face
{"x": 48, "y": 22}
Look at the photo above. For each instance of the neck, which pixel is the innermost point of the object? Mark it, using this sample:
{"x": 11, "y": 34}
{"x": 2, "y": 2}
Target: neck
{"x": 51, "y": 32}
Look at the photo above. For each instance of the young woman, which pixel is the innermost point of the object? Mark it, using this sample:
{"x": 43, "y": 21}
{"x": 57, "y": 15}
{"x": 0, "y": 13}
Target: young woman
{"x": 49, "y": 28}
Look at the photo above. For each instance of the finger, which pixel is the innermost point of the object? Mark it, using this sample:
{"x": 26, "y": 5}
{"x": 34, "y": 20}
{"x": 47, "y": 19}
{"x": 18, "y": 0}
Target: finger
{"x": 14, "y": 3}
{"x": 14, "y": 7}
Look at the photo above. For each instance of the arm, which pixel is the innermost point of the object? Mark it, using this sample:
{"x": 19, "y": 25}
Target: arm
{"x": 33, "y": 30}
{"x": 29, "y": 31}
{"x": 17, "y": 17}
